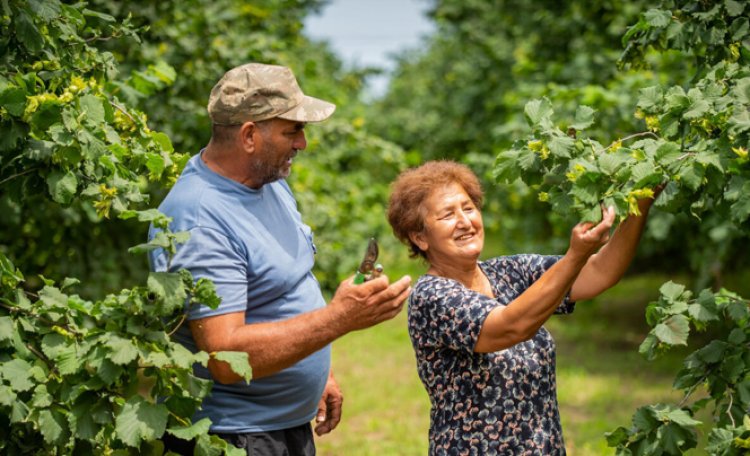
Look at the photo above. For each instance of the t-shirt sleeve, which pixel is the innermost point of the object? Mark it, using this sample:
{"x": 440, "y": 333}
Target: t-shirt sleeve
{"x": 444, "y": 314}
{"x": 210, "y": 254}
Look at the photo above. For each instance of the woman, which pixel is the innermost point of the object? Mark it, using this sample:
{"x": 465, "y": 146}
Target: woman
{"x": 482, "y": 354}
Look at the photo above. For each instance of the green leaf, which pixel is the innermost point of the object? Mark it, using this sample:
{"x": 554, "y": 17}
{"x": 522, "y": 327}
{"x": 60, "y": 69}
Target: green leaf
{"x": 11, "y": 134}
{"x": 709, "y": 158}
{"x": 181, "y": 237}
{"x": 691, "y": 176}
{"x": 19, "y": 412}
{"x": 204, "y": 292}
{"x": 739, "y": 122}
{"x": 737, "y": 311}
{"x": 617, "y": 437}
{"x": 675, "y": 439}
{"x": 160, "y": 241}
{"x": 192, "y": 431}
{"x": 658, "y": 18}
{"x": 99, "y": 15}
{"x": 41, "y": 397}
{"x": 610, "y": 163}
{"x": 92, "y": 106}
{"x": 704, "y": 308}
{"x": 667, "y": 153}
{"x": 713, "y": 352}
{"x": 651, "y": 98}
{"x": 538, "y": 113}
{"x": 526, "y": 159}
{"x": 163, "y": 71}
{"x": 698, "y": 105}
{"x": 586, "y": 193}
{"x": 123, "y": 350}
{"x": 46, "y": 9}
{"x": 737, "y": 336}
{"x": 181, "y": 356}
{"x": 53, "y": 426}
{"x": 673, "y": 331}
{"x": 561, "y": 145}
{"x": 27, "y": 33}
{"x": 13, "y": 99}
{"x": 140, "y": 420}
{"x": 155, "y": 164}
{"x": 644, "y": 418}
{"x": 208, "y": 445}
{"x": 165, "y": 144}
{"x": 708, "y": 15}
{"x": 720, "y": 441}
{"x": 645, "y": 174}
{"x": 741, "y": 210}
{"x": 82, "y": 420}
{"x": 584, "y": 118}
{"x": 741, "y": 91}
{"x": 62, "y": 186}
{"x": 737, "y": 188}
{"x": 148, "y": 215}
{"x": 734, "y": 8}
{"x": 169, "y": 289}
{"x": 701, "y": 313}
{"x": 238, "y": 361}
{"x": 505, "y": 169}
{"x": 676, "y": 99}
{"x": 672, "y": 291}
{"x": 108, "y": 371}
{"x": 65, "y": 354}
{"x": 17, "y": 373}
{"x": 7, "y": 395}
{"x": 591, "y": 214}
{"x": 7, "y": 328}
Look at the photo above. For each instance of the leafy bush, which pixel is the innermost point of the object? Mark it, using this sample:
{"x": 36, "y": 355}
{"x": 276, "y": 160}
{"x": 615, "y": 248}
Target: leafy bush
{"x": 82, "y": 376}
{"x": 696, "y": 142}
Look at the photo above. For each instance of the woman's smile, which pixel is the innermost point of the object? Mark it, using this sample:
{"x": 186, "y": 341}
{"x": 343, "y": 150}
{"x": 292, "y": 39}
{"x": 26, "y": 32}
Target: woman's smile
{"x": 453, "y": 227}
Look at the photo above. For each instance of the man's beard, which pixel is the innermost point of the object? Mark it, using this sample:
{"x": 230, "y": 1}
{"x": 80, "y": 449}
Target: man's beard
{"x": 268, "y": 173}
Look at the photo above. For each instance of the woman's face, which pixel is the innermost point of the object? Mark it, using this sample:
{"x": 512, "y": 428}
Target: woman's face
{"x": 453, "y": 228}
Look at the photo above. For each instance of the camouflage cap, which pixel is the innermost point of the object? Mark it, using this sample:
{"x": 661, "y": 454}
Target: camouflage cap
{"x": 255, "y": 92}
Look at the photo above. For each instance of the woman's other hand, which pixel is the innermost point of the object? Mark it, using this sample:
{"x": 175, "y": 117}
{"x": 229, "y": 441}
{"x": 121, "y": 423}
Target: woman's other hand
{"x": 587, "y": 238}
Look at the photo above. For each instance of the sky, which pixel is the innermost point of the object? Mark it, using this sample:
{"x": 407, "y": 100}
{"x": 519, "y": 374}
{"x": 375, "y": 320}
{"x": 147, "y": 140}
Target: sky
{"x": 366, "y": 32}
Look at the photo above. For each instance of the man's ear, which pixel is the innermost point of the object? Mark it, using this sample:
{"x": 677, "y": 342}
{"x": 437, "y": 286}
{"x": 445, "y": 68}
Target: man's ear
{"x": 418, "y": 238}
{"x": 248, "y": 136}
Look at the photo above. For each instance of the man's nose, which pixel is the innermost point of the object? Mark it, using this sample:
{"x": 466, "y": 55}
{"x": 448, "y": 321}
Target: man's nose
{"x": 300, "y": 142}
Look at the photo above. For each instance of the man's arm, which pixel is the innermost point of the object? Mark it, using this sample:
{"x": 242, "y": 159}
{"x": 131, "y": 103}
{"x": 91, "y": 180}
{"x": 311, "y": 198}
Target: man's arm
{"x": 273, "y": 346}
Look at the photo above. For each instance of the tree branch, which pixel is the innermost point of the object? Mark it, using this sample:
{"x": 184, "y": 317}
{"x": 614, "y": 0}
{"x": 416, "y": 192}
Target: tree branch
{"x": 9, "y": 178}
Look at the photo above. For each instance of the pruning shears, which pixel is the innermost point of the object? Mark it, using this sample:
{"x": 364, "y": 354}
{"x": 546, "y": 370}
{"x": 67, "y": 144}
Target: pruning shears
{"x": 368, "y": 269}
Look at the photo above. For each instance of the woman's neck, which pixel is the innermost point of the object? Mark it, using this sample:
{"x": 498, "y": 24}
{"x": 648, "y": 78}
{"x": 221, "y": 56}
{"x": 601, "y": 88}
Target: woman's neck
{"x": 470, "y": 276}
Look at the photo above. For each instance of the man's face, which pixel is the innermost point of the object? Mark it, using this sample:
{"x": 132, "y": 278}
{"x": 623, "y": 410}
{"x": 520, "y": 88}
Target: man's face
{"x": 280, "y": 140}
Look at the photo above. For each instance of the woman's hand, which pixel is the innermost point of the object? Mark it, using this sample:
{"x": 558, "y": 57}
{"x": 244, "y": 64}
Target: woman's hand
{"x": 587, "y": 238}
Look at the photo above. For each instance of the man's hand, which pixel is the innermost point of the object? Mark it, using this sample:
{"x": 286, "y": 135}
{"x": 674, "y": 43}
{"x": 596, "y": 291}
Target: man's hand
{"x": 329, "y": 409}
{"x": 365, "y": 305}
{"x": 276, "y": 345}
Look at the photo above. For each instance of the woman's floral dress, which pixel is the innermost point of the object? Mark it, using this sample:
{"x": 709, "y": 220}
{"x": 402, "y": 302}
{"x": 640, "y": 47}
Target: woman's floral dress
{"x": 502, "y": 403}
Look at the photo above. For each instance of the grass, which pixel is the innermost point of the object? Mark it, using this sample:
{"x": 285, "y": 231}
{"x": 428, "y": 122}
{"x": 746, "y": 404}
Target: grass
{"x": 602, "y": 379}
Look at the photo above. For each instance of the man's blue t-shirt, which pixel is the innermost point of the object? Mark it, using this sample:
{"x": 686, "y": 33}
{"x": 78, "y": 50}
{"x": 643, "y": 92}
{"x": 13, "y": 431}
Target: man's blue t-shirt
{"x": 253, "y": 245}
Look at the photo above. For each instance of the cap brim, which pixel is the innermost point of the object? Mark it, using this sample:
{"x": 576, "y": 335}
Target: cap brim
{"x": 310, "y": 110}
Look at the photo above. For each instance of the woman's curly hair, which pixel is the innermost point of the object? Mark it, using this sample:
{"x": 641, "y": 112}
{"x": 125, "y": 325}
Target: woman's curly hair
{"x": 414, "y": 186}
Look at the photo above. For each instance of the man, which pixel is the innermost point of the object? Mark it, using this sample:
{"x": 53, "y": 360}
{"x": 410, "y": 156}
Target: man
{"x": 247, "y": 236}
